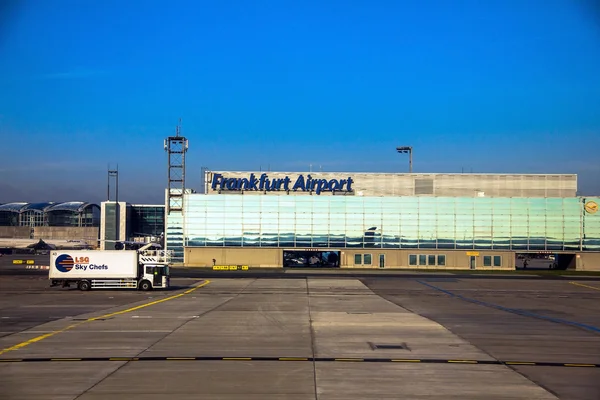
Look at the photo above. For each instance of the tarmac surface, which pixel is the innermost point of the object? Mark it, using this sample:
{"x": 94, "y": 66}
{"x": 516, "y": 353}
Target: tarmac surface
{"x": 329, "y": 337}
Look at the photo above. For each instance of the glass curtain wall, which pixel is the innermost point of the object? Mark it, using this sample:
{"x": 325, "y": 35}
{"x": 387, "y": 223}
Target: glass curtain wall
{"x": 147, "y": 220}
{"x": 522, "y": 224}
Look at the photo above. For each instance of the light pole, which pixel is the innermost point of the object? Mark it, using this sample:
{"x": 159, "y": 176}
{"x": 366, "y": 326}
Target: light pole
{"x": 406, "y": 149}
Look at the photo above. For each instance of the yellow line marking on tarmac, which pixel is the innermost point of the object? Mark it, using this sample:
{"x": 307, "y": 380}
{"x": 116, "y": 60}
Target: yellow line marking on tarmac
{"x": 580, "y": 365}
{"x": 587, "y": 286}
{"x": 37, "y": 339}
{"x": 47, "y": 335}
{"x": 237, "y": 358}
{"x": 149, "y": 304}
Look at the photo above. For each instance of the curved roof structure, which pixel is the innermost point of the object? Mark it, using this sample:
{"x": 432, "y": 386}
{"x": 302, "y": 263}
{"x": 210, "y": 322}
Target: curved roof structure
{"x": 39, "y": 207}
{"x": 74, "y": 206}
{"x": 13, "y": 207}
{"x": 19, "y": 207}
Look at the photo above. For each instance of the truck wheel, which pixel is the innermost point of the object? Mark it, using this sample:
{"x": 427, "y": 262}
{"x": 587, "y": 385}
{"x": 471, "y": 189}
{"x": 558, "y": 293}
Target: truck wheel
{"x": 145, "y": 286}
{"x": 84, "y": 286}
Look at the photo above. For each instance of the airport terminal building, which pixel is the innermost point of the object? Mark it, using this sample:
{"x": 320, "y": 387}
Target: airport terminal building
{"x": 383, "y": 220}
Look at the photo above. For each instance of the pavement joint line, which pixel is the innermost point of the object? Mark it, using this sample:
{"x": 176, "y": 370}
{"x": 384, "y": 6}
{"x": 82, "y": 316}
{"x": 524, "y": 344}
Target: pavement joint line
{"x": 49, "y": 334}
{"x": 523, "y": 313}
{"x": 586, "y": 286}
{"x": 304, "y": 359}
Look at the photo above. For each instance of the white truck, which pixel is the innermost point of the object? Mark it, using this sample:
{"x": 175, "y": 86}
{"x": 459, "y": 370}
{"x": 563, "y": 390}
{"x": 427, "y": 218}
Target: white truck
{"x": 110, "y": 269}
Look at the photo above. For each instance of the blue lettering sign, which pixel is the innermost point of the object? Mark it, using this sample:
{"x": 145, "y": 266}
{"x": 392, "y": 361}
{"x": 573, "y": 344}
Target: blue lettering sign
{"x": 265, "y": 184}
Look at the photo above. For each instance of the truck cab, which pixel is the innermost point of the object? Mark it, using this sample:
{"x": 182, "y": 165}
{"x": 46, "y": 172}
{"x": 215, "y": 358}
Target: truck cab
{"x": 154, "y": 269}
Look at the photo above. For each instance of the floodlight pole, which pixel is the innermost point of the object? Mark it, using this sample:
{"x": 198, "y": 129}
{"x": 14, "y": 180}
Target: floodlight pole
{"x": 406, "y": 149}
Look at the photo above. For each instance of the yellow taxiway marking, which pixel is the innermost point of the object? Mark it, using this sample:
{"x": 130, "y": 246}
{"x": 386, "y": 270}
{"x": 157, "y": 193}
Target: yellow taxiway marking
{"x": 49, "y": 334}
{"x": 587, "y": 286}
{"x": 580, "y": 365}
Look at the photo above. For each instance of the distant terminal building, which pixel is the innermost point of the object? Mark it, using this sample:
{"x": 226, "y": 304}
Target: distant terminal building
{"x": 384, "y": 220}
{"x": 49, "y": 221}
{"x": 67, "y": 214}
{"x": 124, "y": 222}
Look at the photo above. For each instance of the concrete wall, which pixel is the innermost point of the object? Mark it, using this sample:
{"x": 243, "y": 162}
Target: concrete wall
{"x": 15, "y": 232}
{"x": 265, "y": 257}
{"x": 394, "y": 258}
{"x": 399, "y": 258}
{"x": 588, "y": 261}
{"x": 65, "y": 233}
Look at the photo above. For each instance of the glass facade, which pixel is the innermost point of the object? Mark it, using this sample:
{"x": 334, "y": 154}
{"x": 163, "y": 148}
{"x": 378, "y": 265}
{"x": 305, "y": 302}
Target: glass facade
{"x": 33, "y": 218}
{"x": 147, "y": 220}
{"x": 519, "y": 224}
{"x": 9, "y": 218}
{"x": 110, "y": 223}
{"x": 90, "y": 216}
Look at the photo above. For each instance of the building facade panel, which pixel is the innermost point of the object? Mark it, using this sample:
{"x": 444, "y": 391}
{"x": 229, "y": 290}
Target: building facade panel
{"x": 382, "y": 184}
{"x": 454, "y": 223}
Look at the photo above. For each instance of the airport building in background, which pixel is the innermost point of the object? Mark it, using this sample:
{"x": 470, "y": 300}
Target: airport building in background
{"x": 134, "y": 223}
{"x": 24, "y": 224}
{"x": 66, "y": 214}
{"x": 382, "y": 220}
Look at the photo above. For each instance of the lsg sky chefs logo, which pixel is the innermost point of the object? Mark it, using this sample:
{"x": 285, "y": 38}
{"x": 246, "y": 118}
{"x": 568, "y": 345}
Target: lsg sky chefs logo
{"x": 65, "y": 263}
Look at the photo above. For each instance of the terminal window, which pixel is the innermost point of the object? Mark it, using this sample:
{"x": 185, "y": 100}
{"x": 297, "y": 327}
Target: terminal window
{"x": 427, "y": 259}
{"x": 487, "y": 261}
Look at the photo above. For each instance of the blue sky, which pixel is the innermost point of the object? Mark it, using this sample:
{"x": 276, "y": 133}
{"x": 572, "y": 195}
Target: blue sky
{"x": 496, "y": 86}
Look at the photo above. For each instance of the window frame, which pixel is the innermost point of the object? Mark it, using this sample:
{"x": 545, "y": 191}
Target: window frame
{"x": 442, "y": 257}
{"x": 487, "y": 261}
{"x": 497, "y": 257}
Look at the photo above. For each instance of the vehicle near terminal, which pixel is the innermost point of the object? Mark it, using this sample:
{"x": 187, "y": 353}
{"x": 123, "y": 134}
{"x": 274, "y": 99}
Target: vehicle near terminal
{"x": 141, "y": 269}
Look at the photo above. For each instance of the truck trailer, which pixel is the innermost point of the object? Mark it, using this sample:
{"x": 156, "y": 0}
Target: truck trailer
{"x": 110, "y": 269}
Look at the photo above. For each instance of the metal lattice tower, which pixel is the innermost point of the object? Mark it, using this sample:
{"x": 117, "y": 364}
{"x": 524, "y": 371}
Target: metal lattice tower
{"x": 176, "y": 147}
